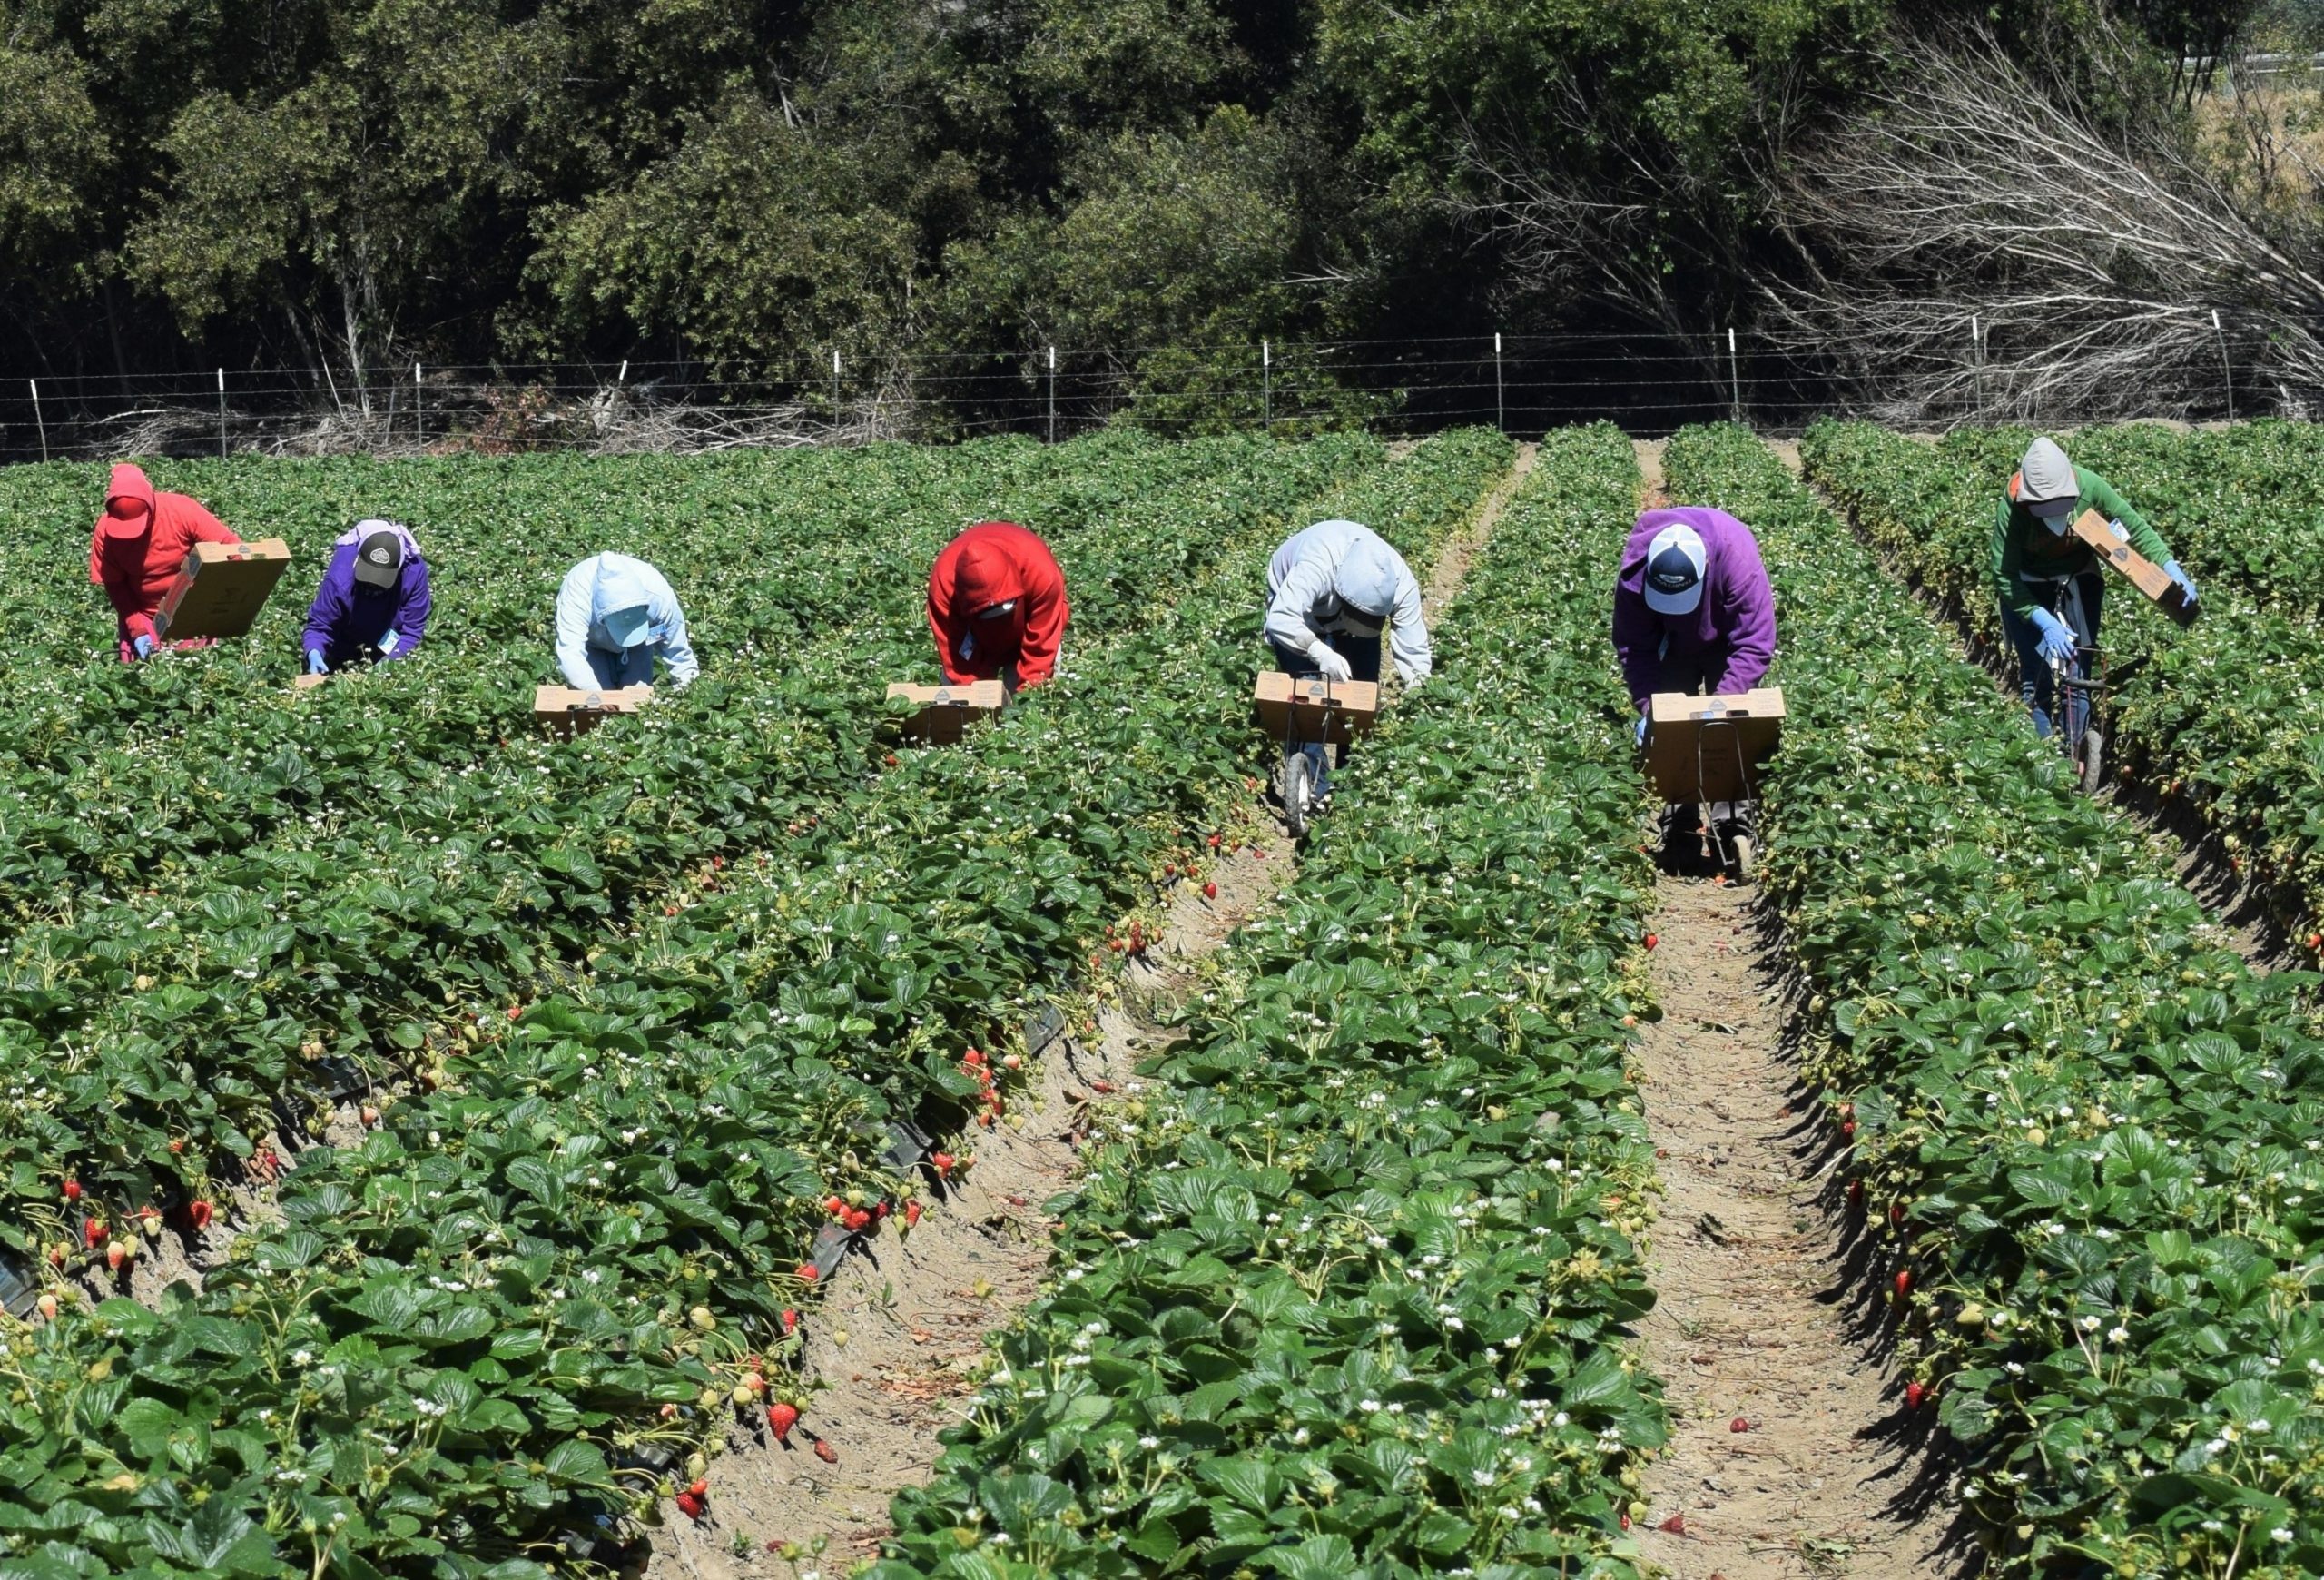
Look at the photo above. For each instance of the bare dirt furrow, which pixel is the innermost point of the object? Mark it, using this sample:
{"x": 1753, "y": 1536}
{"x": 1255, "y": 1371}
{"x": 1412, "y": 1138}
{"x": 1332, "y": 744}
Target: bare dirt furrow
{"x": 893, "y": 1344}
{"x": 1783, "y": 1464}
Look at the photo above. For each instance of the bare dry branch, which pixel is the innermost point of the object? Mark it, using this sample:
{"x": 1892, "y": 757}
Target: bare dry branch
{"x": 2091, "y": 262}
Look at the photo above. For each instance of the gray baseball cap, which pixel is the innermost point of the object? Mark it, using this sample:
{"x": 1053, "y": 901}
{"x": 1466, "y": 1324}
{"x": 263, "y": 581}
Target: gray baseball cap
{"x": 2045, "y": 481}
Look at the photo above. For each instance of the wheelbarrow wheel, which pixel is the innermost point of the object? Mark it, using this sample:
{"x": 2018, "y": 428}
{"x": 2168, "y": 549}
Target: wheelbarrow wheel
{"x": 2093, "y": 761}
{"x": 1299, "y": 791}
{"x": 1743, "y": 857}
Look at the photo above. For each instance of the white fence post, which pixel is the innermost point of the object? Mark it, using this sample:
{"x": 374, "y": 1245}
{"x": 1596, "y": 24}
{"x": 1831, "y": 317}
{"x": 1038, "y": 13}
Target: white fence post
{"x": 1052, "y": 394}
{"x": 1500, "y": 412}
{"x": 222, "y": 414}
{"x": 2226, "y": 371}
{"x": 1734, "y": 379}
{"x": 1266, "y": 385}
{"x": 38, "y": 421}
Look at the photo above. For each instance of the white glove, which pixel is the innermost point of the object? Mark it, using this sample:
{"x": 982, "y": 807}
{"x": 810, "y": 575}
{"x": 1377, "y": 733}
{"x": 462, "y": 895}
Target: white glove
{"x": 1328, "y": 659}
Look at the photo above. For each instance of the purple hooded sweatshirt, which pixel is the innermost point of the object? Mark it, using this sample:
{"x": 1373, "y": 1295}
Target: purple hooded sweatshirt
{"x": 1734, "y": 627}
{"x": 348, "y": 619}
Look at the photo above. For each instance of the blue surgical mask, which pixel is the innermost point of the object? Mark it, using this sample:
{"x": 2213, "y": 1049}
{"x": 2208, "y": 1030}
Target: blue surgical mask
{"x": 2056, "y": 524}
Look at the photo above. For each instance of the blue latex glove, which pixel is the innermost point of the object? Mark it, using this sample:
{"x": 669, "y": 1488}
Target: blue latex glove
{"x": 315, "y": 664}
{"x": 141, "y": 646}
{"x": 390, "y": 643}
{"x": 2171, "y": 569}
{"x": 1640, "y": 734}
{"x": 2057, "y": 638}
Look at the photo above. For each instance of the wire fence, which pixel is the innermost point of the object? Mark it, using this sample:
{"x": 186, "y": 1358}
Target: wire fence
{"x": 1522, "y": 383}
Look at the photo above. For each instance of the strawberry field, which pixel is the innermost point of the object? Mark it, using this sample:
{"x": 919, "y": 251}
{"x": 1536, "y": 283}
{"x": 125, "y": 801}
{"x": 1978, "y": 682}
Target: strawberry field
{"x": 425, "y": 1146}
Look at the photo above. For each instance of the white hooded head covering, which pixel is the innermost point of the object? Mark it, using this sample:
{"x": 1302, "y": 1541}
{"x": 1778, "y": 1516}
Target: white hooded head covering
{"x": 2045, "y": 481}
{"x": 1368, "y": 581}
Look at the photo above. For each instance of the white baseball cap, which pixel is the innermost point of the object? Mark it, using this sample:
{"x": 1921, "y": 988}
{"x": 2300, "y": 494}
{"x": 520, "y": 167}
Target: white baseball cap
{"x": 1674, "y": 571}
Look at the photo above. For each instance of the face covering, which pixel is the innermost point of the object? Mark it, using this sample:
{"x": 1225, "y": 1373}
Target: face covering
{"x": 2056, "y": 524}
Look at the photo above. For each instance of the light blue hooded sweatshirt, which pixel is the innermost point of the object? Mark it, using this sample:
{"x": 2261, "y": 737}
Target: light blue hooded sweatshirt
{"x": 1342, "y": 576}
{"x": 598, "y": 608}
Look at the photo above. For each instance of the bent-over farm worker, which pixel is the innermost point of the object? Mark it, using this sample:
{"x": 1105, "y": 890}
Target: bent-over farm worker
{"x": 2049, "y": 581}
{"x": 1693, "y": 613}
{"x": 995, "y": 606}
{"x": 614, "y": 616}
{"x": 1333, "y": 589}
{"x": 138, "y": 546}
{"x": 373, "y": 603}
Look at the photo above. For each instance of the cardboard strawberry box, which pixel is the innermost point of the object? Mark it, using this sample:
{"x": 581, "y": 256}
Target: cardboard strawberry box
{"x": 222, "y": 589}
{"x": 945, "y": 712}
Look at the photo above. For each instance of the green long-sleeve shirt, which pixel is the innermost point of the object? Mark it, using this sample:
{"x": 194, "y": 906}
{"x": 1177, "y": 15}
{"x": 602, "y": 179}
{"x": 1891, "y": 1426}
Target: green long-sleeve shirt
{"x": 2023, "y": 542}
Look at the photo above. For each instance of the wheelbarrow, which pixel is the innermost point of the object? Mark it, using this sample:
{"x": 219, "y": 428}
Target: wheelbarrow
{"x": 1709, "y": 751}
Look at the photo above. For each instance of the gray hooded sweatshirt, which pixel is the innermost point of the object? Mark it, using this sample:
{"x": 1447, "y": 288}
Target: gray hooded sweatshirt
{"x": 1334, "y": 568}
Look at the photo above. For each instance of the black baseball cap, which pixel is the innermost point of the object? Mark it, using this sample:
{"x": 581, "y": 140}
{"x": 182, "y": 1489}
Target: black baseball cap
{"x": 379, "y": 559}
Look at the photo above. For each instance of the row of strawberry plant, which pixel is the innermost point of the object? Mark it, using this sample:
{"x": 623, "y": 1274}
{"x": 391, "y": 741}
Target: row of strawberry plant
{"x": 190, "y": 1009}
{"x": 784, "y": 569}
{"x": 2216, "y": 720}
{"x": 1344, "y": 1291}
{"x": 592, "y": 1224}
{"x": 2081, "y": 1132}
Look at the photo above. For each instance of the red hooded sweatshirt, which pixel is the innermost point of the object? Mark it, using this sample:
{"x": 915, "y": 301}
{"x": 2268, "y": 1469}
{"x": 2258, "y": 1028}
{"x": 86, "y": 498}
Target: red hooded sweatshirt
{"x": 997, "y": 562}
{"x": 140, "y": 545}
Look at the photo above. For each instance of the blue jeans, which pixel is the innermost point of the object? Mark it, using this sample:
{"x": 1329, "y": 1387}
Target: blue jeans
{"x": 1363, "y": 655}
{"x": 630, "y": 666}
{"x": 2035, "y": 684}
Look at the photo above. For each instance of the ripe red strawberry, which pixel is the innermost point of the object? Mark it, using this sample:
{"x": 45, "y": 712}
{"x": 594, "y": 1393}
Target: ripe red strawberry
{"x": 943, "y": 1161}
{"x": 1214, "y": 842}
{"x": 1903, "y": 1282}
{"x": 177, "y": 1143}
{"x": 891, "y": 759}
{"x": 790, "y": 1320}
{"x": 198, "y": 1212}
{"x": 825, "y": 1452}
{"x": 72, "y": 1191}
{"x": 93, "y": 1231}
{"x": 1676, "y": 1524}
{"x": 972, "y": 1057}
{"x": 1847, "y": 1131}
{"x": 700, "y": 1489}
{"x": 836, "y": 1206}
{"x": 1652, "y": 939}
{"x": 808, "y": 1271}
{"x": 515, "y": 1009}
{"x": 1210, "y": 890}
{"x": 693, "y": 1507}
{"x": 858, "y": 1220}
{"x": 911, "y": 1215}
{"x": 1626, "y": 1519}
{"x": 1914, "y": 1394}
{"x": 1856, "y": 1193}
{"x": 780, "y": 1416}
{"x": 1738, "y": 1424}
